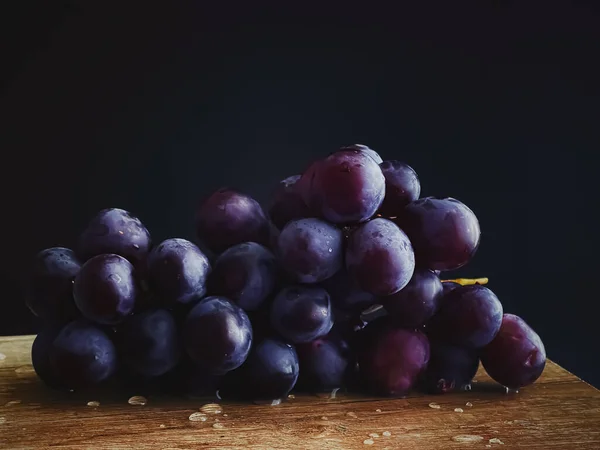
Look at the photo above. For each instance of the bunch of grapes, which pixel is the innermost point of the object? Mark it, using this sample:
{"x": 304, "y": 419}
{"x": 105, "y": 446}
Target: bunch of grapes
{"x": 335, "y": 284}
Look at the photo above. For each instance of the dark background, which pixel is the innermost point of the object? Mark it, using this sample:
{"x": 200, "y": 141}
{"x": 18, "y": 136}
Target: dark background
{"x": 147, "y": 108}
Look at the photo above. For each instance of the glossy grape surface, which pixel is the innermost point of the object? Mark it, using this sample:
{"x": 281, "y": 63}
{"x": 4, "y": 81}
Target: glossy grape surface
{"x": 516, "y": 357}
{"x": 301, "y": 313}
{"x": 470, "y": 316}
{"x": 217, "y": 335}
{"x": 380, "y": 257}
{"x": 245, "y": 273}
{"x": 106, "y": 289}
{"x": 366, "y": 150}
{"x": 444, "y": 232}
{"x": 228, "y": 217}
{"x": 402, "y": 186}
{"x": 50, "y": 295}
{"x": 310, "y": 250}
{"x": 40, "y": 356}
{"x": 115, "y": 231}
{"x": 177, "y": 272}
{"x": 417, "y": 302}
{"x": 450, "y": 368}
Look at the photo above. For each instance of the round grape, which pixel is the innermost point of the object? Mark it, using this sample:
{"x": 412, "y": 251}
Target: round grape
{"x": 402, "y": 186}
{"x": 380, "y": 257}
{"x": 177, "y": 272}
{"x": 450, "y": 368}
{"x": 516, "y": 357}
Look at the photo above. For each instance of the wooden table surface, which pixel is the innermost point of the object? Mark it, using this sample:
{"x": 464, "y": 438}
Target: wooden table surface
{"x": 558, "y": 412}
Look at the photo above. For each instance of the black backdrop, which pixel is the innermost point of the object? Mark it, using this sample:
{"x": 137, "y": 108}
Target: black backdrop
{"x": 148, "y": 108}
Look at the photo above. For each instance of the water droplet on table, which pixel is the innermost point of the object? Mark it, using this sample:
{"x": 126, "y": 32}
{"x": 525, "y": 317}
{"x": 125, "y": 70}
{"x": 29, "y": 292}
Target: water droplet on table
{"x": 368, "y": 442}
{"x": 211, "y": 408}
{"x": 137, "y": 400}
{"x": 467, "y": 438}
{"x": 197, "y": 417}
{"x": 93, "y": 403}
{"x": 434, "y": 405}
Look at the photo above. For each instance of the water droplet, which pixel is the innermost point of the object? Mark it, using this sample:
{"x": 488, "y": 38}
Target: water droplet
{"x": 324, "y": 418}
{"x": 334, "y": 393}
{"x": 377, "y": 410}
{"x": 218, "y": 425}
{"x": 137, "y": 400}
{"x": 225, "y": 415}
{"x": 114, "y": 277}
{"x": 24, "y": 370}
{"x": 121, "y": 233}
{"x": 13, "y": 402}
{"x": 291, "y": 396}
{"x": 211, "y": 408}
{"x": 469, "y": 404}
{"x": 353, "y": 415}
{"x": 368, "y": 442}
{"x": 458, "y": 410}
{"x": 330, "y": 250}
{"x": 496, "y": 441}
{"x": 374, "y": 435}
{"x": 467, "y": 438}
{"x": 93, "y": 403}
{"x": 218, "y": 395}
{"x": 2, "y": 419}
{"x": 162, "y": 425}
{"x": 197, "y": 417}
{"x": 434, "y": 405}
{"x": 137, "y": 247}
{"x": 387, "y": 433}
{"x": 2, "y": 356}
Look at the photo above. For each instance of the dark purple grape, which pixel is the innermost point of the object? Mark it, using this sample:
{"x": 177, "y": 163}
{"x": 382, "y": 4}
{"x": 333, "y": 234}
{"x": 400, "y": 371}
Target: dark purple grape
{"x": 270, "y": 373}
{"x": 245, "y": 273}
{"x": 310, "y": 250}
{"x": 50, "y": 295}
{"x": 469, "y": 316}
{"x": 302, "y": 313}
{"x": 115, "y": 231}
{"x": 516, "y": 357}
{"x": 449, "y": 368}
{"x": 326, "y": 363}
{"x": 366, "y": 150}
{"x": 148, "y": 343}
{"x": 449, "y": 286}
{"x": 305, "y": 183}
{"x": 392, "y": 359}
{"x": 40, "y": 356}
{"x": 82, "y": 355}
{"x": 417, "y": 302}
{"x": 177, "y": 271}
{"x": 228, "y": 217}
{"x": 444, "y": 232}
{"x": 348, "y": 187}
{"x": 402, "y": 186}
{"x": 345, "y": 295}
{"x": 105, "y": 289}
{"x": 287, "y": 203}
{"x": 380, "y": 257}
{"x": 217, "y": 335}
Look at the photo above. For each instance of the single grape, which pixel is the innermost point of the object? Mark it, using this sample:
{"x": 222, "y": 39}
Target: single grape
{"x": 366, "y": 150}
{"x": 50, "y": 295}
{"x": 287, "y": 203}
{"x": 115, "y": 231}
{"x": 228, "y": 217}
{"x": 105, "y": 289}
{"x": 469, "y": 316}
{"x": 380, "y": 257}
{"x": 245, "y": 273}
{"x": 402, "y": 186}
{"x": 392, "y": 359}
{"x": 310, "y": 250}
{"x": 270, "y": 373}
{"x": 417, "y": 302}
{"x": 82, "y": 355}
{"x": 348, "y": 187}
{"x": 516, "y": 357}
{"x": 345, "y": 295}
{"x": 40, "y": 356}
{"x": 148, "y": 343}
{"x": 326, "y": 364}
{"x": 449, "y": 368}
{"x": 302, "y": 313}
{"x": 444, "y": 232}
{"x": 177, "y": 272}
{"x": 217, "y": 335}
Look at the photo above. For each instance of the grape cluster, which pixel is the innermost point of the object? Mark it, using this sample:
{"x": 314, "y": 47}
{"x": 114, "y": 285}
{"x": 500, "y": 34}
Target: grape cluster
{"x": 336, "y": 283}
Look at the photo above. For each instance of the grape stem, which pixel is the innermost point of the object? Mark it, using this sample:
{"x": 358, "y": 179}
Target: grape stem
{"x": 468, "y": 281}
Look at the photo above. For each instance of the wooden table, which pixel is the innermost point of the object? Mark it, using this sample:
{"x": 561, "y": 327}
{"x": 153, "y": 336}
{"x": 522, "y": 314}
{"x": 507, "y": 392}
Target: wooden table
{"x": 558, "y": 412}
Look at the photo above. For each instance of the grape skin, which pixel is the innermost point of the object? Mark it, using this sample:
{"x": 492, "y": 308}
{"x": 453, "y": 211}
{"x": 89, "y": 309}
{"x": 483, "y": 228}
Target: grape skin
{"x": 217, "y": 335}
{"x": 82, "y": 355}
{"x": 245, "y": 273}
{"x": 50, "y": 295}
{"x": 115, "y": 231}
{"x": 470, "y": 316}
{"x": 516, "y": 357}
{"x": 380, "y": 257}
{"x": 177, "y": 272}
{"x": 450, "y": 368}
{"x": 106, "y": 289}
{"x": 444, "y": 232}
{"x": 40, "y": 356}
{"x": 228, "y": 217}
{"x": 402, "y": 186}
{"x": 365, "y": 149}
{"x": 310, "y": 250}
{"x": 301, "y": 313}
{"x": 287, "y": 203}
{"x": 346, "y": 295}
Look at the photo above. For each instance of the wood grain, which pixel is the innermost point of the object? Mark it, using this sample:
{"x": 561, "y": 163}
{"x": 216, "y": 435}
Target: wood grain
{"x": 558, "y": 412}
